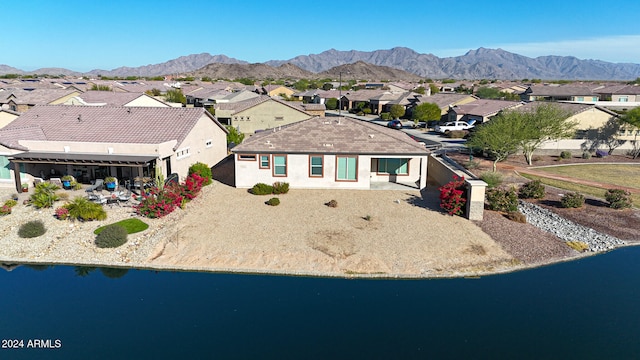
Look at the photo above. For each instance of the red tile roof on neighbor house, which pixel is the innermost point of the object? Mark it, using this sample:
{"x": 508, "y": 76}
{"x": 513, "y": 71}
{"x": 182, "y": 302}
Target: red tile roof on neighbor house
{"x": 135, "y": 125}
{"x": 332, "y": 135}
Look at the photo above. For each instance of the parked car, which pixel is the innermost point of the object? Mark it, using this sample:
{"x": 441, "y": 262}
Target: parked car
{"x": 395, "y": 124}
{"x": 453, "y": 125}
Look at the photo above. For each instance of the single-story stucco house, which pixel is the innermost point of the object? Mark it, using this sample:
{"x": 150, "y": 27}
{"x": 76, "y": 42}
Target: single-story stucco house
{"x": 325, "y": 153}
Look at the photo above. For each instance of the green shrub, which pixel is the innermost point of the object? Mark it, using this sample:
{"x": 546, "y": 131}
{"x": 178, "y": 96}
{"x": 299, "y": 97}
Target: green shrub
{"x": 262, "y": 189}
{"x": 5, "y": 210}
{"x": 471, "y": 164}
{"x": 586, "y": 155}
{"x": 618, "y": 198}
{"x": 10, "y": 203}
{"x": 504, "y": 200}
{"x": 565, "y": 155}
{"x": 111, "y": 236}
{"x": 280, "y": 187}
{"x": 31, "y": 229}
{"x": 44, "y": 195}
{"x": 493, "y": 179}
{"x": 385, "y": 116}
{"x": 572, "y": 200}
{"x": 517, "y": 216}
{"x": 131, "y": 225}
{"x": 83, "y": 209}
{"x": 202, "y": 170}
{"x": 274, "y": 201}
{"x": 532, "y": 190}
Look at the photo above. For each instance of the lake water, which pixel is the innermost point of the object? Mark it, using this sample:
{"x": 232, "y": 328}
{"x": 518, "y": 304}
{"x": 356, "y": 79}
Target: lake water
{"x": 583, "y": 309}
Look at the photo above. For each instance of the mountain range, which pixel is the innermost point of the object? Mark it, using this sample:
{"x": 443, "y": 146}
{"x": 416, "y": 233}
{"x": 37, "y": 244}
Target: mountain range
{"x": 399, "y": 63}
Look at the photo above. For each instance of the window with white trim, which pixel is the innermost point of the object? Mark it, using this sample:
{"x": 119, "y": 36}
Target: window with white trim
{"x": 393, "y": 166}
{"x": 279, "y": 165}
{"x": 247, "y": 157}
{"x": 264, "y": 161}
{"x": 182, "y": 153}
{"x": 316, "y": 166}
{"x": 347, "y": 168}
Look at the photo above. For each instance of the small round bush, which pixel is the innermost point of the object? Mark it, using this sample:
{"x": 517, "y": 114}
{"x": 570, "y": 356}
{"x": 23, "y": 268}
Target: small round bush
{"x": 565, "y": 155}
{"x": 572, "y": 200}
{"x": 202, "y": 170}
{"x": 456, "y": 134}
{"x": 493, "y": 179}
{"x": 586, "y": 155}
{"x": 10, "y": 203}
{"x": 111, "y": 236}
{"x": 332, "y": 203}
{"x": 280, "y": 187}
{"x": 517, "y": 216}
{"x": 273, "y": 201}
{"x": 262, "y": 189}
{"x": 502, "y": 200}
{"x": 532, "y": 190}
{"x": 618, "y": 198}
{"x": 31, "y": 229}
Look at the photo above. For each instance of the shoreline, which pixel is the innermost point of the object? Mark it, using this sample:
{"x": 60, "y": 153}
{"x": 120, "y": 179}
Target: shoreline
{"x": 407, "y": 237}
{"x": 354, "y": 276}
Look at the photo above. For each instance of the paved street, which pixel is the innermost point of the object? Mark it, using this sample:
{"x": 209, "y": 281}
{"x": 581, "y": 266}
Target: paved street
{"x": 432, "y": 140}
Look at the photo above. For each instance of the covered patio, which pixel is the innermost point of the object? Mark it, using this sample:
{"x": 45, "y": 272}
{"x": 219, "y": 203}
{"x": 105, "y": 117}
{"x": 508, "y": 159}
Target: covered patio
{"x": 86, "y": 168}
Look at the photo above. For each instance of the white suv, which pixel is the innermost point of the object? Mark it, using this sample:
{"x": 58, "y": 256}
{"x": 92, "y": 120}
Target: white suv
{"x": 453, "y": 125}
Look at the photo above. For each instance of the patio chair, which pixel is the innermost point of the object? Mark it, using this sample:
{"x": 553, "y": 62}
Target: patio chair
{"x": 97, "y": 186}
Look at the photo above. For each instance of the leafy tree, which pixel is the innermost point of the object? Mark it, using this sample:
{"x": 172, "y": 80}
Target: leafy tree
{"x": 175, "y": 96}
{"x": 245, "y": 81}
{"x": 96, "y": 87}
{"x": 419, "y": 90}
{"x": 234, "y": 136}
{"x": 206, "y": 78}
{"x": 396, "y": 111}
{"x": 327, "y": 86}
{"x": 153, "y": 92}
{"x": 545, "y": 122}
{"x": 434, "y": 89}
{"x": 426, "y": 112}
{"x": 488, "y": 93}
{"x": 331, "y": 103}
{"x": 632, "y": 117}
{"x": 500, "y": 138}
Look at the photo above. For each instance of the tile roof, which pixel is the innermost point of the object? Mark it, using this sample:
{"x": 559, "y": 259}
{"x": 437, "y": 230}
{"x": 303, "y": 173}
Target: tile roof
{"x": 572, "y": 108}
{"x": 101, "y": 124}
{"x": 619, "y": 90}
{"x": 443, "y": 100}
{"x": 362, "y": 95}
{"x": 332, "y": 135}
{"x": 485, "y": 107}
{"x": 547, "y": 90}
{"x": 239, "y": 106}
{"x": 109, "y": 98}
{"x": 10, "y": 137}
{"x": 39, "y": 96}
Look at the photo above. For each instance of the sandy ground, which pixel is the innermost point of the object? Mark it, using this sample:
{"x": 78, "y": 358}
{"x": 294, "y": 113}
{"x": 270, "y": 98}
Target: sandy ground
{"x": 405, "y": 236}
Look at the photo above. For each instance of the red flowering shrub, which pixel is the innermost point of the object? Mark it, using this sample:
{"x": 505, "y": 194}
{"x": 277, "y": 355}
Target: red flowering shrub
{"x": 155, "y": 204}
{"x": 192, "y": 186}
{"x": 174, "y": 192}
{"x": 62, "y": 213}
{"x": 452, "y": 196}
{"x": 5, "y": 210}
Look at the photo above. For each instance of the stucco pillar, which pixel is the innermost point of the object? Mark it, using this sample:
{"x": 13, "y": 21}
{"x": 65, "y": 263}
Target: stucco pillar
{"x": 475, "y": 199}
{"x": 16, "y": 176}
{"x": 423, "y": 172}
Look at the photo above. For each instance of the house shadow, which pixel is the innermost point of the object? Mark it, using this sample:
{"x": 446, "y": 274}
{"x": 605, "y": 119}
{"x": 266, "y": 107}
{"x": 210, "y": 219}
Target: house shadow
{"x": 225, "y": 171}
{"x": 428, "y": 199}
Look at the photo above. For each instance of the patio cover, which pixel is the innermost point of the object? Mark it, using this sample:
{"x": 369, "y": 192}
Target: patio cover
{"x": 82, "y": 159}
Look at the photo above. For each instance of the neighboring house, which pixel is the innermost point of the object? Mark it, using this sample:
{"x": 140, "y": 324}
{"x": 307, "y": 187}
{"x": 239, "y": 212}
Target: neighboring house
{"x": 92, "y": 142}
{"x": 360, "y": 98}
{"x": 481, "y": 110}
{"x": 260, "y": 113}
{"x": 331, "y": 153}
{"x": 110, "y": 98}
{"x": 589, "y": 118}
{"x": 7, "y": 116}
{"x": 314, "y": 109}
{"x": 276, "y": 90}
{"x": 445, "y": 101}
{"x": 22, "y": 100}
{"x": 619, "y": 93}
{"x": 559, "y": 93}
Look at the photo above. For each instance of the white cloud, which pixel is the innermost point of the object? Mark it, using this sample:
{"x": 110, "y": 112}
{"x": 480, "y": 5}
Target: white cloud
{"x": 617, "y": 49}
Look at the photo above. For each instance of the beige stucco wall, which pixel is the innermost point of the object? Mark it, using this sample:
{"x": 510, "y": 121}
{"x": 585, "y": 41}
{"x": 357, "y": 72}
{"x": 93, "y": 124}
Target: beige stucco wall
{"x": 281, "y": 90}
{"x": 263, "y": 116}
{"x": 6, "y": 118}
{"x": 248, "y": 173}
{"x": 204, "y": 130}
{"x": 64, "y": 99}
{"x": 146, "y": 101}
{"x": 591, "y": 119}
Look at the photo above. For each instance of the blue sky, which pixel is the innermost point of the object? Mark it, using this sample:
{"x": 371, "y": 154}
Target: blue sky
{"x": 86, "y": 35}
